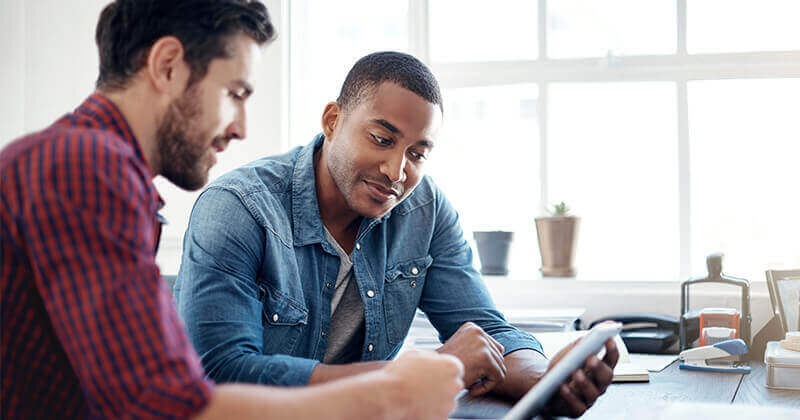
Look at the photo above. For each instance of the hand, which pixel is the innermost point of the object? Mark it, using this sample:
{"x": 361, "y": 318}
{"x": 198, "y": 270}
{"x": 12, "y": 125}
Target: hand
{"x": 427, "y": 384}
{"x": 575, "y": 396}
{"x": 481, "y": 355}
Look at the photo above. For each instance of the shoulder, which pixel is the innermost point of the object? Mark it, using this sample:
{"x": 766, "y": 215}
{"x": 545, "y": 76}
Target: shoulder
{"x": 272, "y": 174}
{"x": 262, "y": 188}
{"x": 62, "y": 153}
{"x": 426, "y": 195}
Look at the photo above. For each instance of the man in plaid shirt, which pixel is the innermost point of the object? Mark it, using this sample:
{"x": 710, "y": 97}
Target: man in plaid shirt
{"x": 88, "y": 327}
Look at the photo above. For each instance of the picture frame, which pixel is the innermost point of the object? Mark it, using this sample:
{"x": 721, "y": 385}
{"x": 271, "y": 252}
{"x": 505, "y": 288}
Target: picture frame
{"x": 784, "y": 295}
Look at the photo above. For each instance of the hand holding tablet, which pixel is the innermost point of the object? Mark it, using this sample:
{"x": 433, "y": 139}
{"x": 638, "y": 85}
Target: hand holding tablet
{"x": 566, "y": 364}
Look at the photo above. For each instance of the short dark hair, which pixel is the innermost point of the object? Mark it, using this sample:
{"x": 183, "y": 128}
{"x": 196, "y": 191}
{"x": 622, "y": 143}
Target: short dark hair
{"x": 388, "y": 66}
{"x": 128, "y": 28}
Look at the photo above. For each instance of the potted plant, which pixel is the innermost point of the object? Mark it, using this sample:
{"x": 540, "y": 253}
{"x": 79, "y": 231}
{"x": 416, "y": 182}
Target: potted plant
{"x": 558, "y": 235}
{"x": 493, "y": 248}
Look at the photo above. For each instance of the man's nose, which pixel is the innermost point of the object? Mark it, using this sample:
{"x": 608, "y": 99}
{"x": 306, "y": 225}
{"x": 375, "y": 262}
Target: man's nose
{"x": 395, "y": 167}
{"x": 237, "y": 129}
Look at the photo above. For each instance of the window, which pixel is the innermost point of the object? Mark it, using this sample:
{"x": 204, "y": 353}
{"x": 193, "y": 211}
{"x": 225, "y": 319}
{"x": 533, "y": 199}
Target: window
{"x": 667, "y": 125}
{"x": 327, "y": 38}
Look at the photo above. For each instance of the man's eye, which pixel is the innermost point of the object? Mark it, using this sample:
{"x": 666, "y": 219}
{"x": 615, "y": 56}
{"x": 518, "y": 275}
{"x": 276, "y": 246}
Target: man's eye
{"x": 381, "y": 140}
{"x": 235, "y": 95}
{"x": 417, "y": 156}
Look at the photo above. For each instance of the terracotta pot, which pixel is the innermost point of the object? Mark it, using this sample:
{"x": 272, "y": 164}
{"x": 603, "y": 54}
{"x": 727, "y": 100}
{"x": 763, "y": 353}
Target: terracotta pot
{"x": 557, "y": 239}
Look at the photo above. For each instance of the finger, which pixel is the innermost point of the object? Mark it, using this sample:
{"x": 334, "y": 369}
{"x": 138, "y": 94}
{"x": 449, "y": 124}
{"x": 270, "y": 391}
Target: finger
{"x": 465, "y": 325}
{"x": 601, "y": 374}
{"x": 480, "y": 388}
{"x": 612, "y": 353}
{"x": 575, "y": 406}
{"x": 493, "y": 373}
{"x": 588, "y": 391}
{"x": 497, "y": 356}
{"x": 495, "y": 344}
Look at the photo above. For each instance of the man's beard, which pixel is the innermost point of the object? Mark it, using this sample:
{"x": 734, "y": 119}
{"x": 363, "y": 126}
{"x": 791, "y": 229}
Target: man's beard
{"x": 180, "y": 148}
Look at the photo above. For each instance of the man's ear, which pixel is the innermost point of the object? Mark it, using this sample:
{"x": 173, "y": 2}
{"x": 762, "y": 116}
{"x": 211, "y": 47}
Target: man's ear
{"x": 167, "y": 71}
{"x": 331, "y": 117}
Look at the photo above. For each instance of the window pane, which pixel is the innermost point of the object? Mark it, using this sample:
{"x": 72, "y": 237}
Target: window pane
{"x": 745, "y": 143}
{"x": 612, "y": 156}
{"x": 487, "y": 162}
{"x": 327, "y": 39}
{"x": 478, "y": 30}
{"x": 591, "y": 28}
{"x": 716, "y": 26}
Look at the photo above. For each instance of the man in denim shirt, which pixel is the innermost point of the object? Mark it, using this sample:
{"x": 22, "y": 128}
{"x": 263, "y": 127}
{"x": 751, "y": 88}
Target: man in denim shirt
{"x": 309, "y": 266}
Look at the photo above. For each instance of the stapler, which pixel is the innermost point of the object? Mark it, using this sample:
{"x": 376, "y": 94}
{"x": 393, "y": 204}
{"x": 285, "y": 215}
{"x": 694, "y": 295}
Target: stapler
{"x": 716, "y": 357}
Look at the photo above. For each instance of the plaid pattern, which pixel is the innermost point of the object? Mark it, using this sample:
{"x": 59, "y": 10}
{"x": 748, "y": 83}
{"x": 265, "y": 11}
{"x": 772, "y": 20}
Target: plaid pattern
{"x": 88, "y": 327}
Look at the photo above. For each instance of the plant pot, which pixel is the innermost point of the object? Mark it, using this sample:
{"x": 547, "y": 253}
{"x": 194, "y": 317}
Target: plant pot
{"x": 493, "y": 249}
{"x": 557, "y": 239}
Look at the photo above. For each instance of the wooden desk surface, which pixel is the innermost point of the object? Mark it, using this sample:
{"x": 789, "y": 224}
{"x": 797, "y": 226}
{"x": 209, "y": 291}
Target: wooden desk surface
{"x": 672, "y": 385}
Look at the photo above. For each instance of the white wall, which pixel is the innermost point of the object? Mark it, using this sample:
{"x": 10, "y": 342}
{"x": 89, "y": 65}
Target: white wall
{"x": 49, "y": 65}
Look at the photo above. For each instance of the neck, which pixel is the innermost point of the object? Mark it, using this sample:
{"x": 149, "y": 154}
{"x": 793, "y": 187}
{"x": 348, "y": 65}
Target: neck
{"x": 340, "y": 220}
{"x": 142, "y": 116}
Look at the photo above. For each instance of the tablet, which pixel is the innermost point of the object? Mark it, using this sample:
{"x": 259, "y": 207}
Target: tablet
{"x": 537, "y": 397}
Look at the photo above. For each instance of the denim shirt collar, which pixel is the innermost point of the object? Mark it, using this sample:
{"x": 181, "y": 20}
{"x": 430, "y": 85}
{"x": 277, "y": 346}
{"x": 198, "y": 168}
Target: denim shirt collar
{"x": 308, "y": 227}
{"x": 306, "y": 219}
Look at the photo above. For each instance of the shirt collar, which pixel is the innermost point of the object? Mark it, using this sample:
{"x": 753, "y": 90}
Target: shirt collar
{"x": 105, "y": 115}
{"x": 308, "y": 227}
{"x": 306, "y": 219}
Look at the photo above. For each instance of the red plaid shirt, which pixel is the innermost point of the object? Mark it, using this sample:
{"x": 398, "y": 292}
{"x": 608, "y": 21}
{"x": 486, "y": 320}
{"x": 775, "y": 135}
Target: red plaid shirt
{"x": 88, "y": 327}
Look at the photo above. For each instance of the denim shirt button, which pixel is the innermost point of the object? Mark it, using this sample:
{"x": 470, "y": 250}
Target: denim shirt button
{"x": 358, "y": 246}
{"x": 328, "y": 285}
{"x": 413, "y": 283}
{"x": 370, "y": 347}
{"x": 415, "y": 271}
{"x": 275, "y": 318}
{"x": 370, "y": 293}
{"x": 324, "y": 334}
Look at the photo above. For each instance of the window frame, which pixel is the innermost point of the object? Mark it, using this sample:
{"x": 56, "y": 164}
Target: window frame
{"x": 679, "y": 68}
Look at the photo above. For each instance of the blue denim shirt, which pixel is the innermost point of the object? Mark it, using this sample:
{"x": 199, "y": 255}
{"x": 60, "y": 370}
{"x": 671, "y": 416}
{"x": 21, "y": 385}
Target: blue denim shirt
{"x": 257, "y": 274}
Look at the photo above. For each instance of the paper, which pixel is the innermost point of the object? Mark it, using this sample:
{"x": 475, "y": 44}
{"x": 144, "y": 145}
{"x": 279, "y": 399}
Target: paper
{"x": 652, "y": 362}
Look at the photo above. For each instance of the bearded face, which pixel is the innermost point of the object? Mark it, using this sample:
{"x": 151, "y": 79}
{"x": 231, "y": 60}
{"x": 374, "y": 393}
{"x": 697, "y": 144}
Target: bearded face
{"x": 186, "y": 151}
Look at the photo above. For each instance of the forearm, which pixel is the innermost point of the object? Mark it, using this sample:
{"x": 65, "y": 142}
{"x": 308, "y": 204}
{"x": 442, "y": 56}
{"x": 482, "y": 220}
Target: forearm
{"x": 524, "y": 368}
{"x": 363, "y": 396}
{"x": 323, "y": 373}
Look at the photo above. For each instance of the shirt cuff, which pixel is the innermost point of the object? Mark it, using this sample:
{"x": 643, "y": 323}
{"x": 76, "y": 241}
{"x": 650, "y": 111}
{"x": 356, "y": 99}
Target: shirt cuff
{"x": 517, "y": 340}
{"x": 286, "y": 370}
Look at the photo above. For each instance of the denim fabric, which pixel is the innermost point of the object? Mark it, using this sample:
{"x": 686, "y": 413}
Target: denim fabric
{"x": 257, "y": 274}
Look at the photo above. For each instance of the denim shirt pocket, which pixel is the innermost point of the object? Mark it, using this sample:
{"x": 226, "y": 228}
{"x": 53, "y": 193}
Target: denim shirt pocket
{"x": 283, "y": 320}
{"x": 401, "y": 294}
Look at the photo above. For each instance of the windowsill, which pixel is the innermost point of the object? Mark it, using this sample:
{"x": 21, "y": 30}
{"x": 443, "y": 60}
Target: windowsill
{"x": 603, "y": 298}
{"x": 591, "y": 283}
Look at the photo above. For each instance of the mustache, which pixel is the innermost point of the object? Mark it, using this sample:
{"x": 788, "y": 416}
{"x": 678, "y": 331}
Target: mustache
{"x": 395, "y": 188}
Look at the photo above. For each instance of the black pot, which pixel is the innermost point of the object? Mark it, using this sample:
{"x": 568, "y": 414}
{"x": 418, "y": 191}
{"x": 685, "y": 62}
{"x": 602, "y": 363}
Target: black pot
{"x": 493, "y": 247}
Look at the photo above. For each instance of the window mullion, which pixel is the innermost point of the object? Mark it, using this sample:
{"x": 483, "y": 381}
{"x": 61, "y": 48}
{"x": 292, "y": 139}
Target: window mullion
{"x": 684, "y": 182}
{"x": 542, "y": 29}
{"x": 681, "y": 32}
{"x": 418, "y": 34}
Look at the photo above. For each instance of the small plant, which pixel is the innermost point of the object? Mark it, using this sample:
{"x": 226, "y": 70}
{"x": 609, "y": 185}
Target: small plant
{"x": 560, "y": 210}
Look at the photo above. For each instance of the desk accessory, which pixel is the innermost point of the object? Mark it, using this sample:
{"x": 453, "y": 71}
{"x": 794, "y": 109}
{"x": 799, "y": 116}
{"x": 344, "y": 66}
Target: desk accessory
{"x": 693, "y": 322}
{"x": 716, "y": 357}
{"x": 784, "y": 297}
{"x": 783, "y": 365}
{"x": 646, "y": 333}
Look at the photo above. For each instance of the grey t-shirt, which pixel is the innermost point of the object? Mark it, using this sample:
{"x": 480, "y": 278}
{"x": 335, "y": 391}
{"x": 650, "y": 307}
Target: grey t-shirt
{"x": 346, "y": 337}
